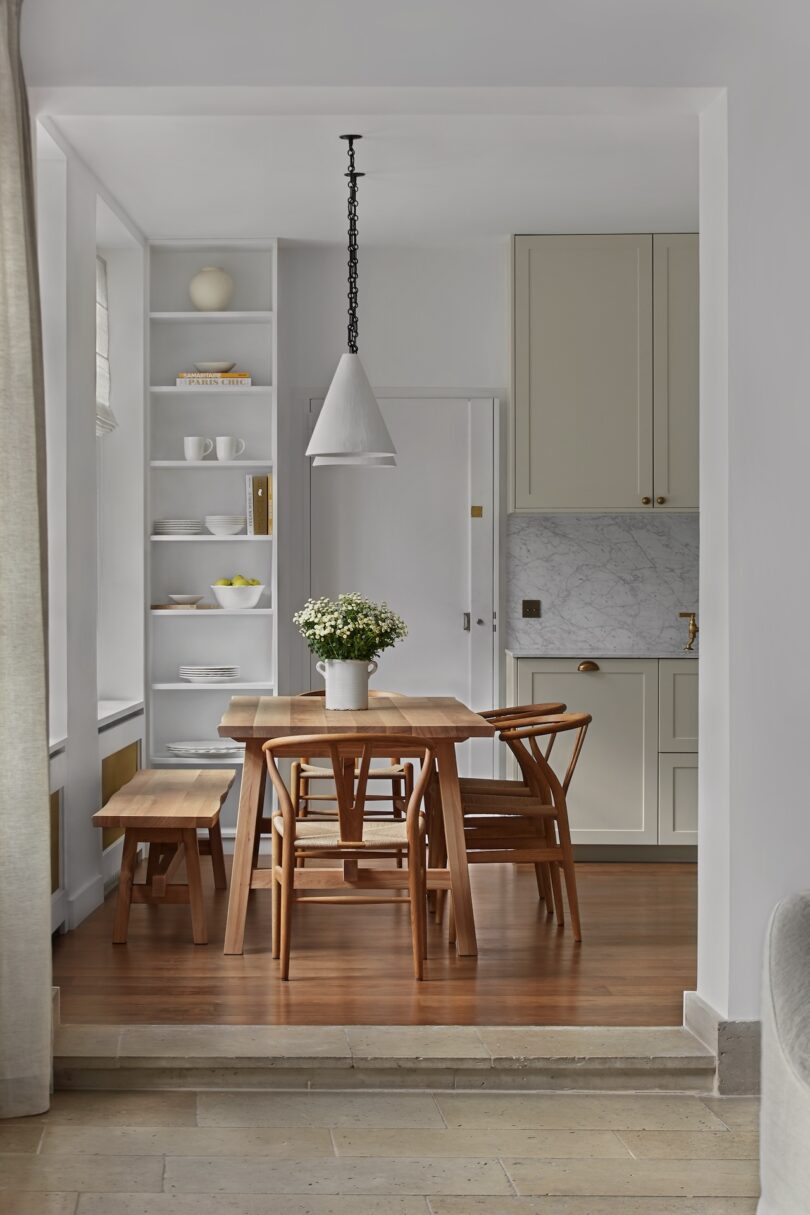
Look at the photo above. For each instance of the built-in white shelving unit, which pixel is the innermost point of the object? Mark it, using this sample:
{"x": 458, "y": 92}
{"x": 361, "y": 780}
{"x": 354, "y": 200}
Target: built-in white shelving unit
{"x": 179, "y": 337}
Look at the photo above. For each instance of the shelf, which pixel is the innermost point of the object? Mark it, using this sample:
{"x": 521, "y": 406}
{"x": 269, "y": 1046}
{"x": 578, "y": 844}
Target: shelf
{"x": 231, "y": 686}
{"x": 209, "y": 390}
{"x": 207, "y": 613}
{"x": 197, "y": 761}
{"x": 110, "y": 711}
{"x": 210, "y": 464}
{"x": 213, "y": 318}
{"x": 218, "y": 539}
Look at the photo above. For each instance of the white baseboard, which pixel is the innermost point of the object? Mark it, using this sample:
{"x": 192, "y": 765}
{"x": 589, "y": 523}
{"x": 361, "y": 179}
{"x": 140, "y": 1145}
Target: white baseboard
{"x": 59, "y": 909}
{"x": 84, "y": 900}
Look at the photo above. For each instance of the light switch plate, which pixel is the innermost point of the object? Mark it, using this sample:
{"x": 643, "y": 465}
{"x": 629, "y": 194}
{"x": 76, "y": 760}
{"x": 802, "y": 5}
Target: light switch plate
{"x": 531, "y": 609}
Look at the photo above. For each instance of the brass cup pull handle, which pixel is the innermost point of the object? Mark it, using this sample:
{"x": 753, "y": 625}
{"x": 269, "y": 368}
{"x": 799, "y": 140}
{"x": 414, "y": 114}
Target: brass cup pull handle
{"x": 588, "y": 665}
{"x": 645, "y": 501}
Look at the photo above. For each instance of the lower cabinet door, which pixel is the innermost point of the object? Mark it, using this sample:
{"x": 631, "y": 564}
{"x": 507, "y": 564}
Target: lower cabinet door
{"x": 678, "y": 798}
{"x": 613, "y": 797}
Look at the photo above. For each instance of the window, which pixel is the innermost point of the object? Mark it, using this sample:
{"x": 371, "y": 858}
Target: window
{"x": 105, "y": 418}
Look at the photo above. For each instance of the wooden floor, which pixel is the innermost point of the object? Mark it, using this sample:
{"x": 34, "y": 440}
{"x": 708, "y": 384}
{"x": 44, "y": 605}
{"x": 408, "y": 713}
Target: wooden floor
{"x": 352, "y": 965}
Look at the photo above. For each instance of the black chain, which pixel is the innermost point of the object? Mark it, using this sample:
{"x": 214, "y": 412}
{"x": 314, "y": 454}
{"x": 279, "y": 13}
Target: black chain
{"x": 352, "y": 293}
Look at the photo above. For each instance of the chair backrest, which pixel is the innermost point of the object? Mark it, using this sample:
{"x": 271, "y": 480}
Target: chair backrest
{"x": 350, "y": 756}
{"x": 497, "y": 716}
{"x": 522, "y": 740}
{"x": 372, "y": 694}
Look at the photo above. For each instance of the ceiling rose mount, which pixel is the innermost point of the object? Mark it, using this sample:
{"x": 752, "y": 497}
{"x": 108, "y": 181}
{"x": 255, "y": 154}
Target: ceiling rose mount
{"x": 350, "y": 429}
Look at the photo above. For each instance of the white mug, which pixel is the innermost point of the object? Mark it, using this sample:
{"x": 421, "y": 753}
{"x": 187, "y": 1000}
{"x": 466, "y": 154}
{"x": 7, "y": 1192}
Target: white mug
{"x": 196, "y": 447}
{"x": 229, "y": 448}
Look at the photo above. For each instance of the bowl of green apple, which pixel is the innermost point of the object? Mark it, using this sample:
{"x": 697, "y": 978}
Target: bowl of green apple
{"x": 237, "y": 592}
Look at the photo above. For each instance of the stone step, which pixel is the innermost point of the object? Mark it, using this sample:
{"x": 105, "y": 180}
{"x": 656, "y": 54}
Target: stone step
{"x": 517, "y": 1058}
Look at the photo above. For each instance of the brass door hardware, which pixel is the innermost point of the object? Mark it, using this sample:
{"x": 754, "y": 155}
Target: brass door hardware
{"x": 693, "y": 628}
{"x": 645, "y": 501}
{"x": 476, "y": 512}
{"x": 588, "y": 665}
{"x": 660, "y": 501}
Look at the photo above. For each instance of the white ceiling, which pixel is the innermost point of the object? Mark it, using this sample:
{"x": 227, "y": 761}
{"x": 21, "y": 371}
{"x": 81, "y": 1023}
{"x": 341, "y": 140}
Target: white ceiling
{"x": 434, "y": 177}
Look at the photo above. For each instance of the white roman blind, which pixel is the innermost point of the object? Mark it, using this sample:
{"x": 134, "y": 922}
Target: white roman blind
{"x": 105, "y": 418}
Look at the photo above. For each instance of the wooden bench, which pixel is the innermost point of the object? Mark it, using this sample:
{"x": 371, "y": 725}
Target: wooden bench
{"x": 165, "y": 809}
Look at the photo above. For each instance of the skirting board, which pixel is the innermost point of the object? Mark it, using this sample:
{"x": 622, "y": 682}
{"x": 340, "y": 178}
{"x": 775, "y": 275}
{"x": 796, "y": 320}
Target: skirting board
{"x": 628, "y": 854}
{"x": 84, "y": 900}
{"x": 735, "y": 1043}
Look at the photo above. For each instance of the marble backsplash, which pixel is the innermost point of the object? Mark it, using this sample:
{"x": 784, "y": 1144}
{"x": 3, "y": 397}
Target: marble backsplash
{"x": 610, "y": 585}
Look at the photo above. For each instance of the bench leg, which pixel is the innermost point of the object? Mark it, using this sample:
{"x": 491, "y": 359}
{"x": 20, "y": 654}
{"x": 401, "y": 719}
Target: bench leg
{"x": 195, "y": 890}
{"x": 217, "y": 857}
{"x": 128, "y": 861}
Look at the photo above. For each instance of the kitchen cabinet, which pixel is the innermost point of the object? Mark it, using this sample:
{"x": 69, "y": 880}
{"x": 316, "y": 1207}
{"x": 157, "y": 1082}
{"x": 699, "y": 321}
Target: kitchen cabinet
{"x": 678, "y": 705}
{"x": 676, "y": 391}
{"x": 677, "y": 798}
{"x": 604, "y": 373}
{"x": 636, "y": 782}
{"x": 614, "y": 795}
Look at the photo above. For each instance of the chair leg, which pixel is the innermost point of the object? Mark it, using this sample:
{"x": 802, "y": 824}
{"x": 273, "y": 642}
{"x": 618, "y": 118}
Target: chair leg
{"x": 423, "y": 898}
{"x": 195, "y": 891}
{"x": 129, "y": 859}
{"x": 217, "y": 857}
{"x": 287, "y": 878}
{"x": 573, "y": 899}
{"x": 451, "y": 920}
{"x": 276, "y": 894}
{"x": 417, "y": 912}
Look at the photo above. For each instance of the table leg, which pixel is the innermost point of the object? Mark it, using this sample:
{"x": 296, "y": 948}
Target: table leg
{"x": 251, "y": 796}
{"x": 456, "y": 849}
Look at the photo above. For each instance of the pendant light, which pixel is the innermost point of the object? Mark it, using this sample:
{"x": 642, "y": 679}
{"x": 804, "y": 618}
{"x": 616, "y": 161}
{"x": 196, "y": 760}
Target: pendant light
{"x": 350, "y": 429}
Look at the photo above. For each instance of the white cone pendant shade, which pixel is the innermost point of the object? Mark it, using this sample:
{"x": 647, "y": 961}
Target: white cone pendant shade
{"x": 350, "y": 427}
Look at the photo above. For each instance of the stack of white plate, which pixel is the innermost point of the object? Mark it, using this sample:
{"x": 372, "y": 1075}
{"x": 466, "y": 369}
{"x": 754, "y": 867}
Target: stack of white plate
{"x": 178, "y": 527}
{"x": 225, "y": 525}
{"x": 195, "y": 674}
{"x": 205, "y": 749}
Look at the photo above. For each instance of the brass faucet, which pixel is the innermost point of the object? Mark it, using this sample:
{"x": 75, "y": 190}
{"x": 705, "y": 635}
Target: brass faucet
{"x": 693, "y": 628}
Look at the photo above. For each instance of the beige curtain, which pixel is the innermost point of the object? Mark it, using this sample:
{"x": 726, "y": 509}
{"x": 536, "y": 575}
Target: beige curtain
{"x": 25, "y": 956}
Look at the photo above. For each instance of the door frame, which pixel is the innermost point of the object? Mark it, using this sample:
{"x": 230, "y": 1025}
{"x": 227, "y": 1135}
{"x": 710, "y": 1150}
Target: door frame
{"x": 300, "y": 662}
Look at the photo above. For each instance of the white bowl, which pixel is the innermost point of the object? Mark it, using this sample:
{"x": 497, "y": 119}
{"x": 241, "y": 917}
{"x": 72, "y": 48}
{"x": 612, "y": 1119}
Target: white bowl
{"x": 215, "y": 367}
{"x": 238, "y": 596}
{"x": 189, "y": 599}
{"x": 219, "y": 525}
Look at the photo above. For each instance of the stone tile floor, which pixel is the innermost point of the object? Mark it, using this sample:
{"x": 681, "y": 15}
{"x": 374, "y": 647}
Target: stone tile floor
{"x": 379, "y": 1153}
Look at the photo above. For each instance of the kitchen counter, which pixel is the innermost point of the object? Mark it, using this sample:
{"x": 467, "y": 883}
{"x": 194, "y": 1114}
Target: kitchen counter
{"x": 586, "y": 652}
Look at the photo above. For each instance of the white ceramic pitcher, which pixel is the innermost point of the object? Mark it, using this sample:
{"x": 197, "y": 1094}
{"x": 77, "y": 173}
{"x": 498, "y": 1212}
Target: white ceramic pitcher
{"x": 346, "y": 682}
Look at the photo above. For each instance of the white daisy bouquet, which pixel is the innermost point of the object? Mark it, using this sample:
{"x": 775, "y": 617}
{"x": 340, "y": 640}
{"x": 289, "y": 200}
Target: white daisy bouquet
{"x": 350, "y": 627}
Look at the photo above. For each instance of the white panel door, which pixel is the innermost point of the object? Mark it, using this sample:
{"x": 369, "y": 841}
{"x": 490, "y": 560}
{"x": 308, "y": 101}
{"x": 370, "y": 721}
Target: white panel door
{"x": 412, "y": 536}
{"x": 613, "y": 796}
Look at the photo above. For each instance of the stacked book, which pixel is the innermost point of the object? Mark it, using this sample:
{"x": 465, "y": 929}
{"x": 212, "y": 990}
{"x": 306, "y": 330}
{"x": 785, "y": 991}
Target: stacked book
{"x": 259, "y": 505}
{"x": 214, "y": 379}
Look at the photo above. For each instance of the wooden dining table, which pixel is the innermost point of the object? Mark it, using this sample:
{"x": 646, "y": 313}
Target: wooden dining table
{"x": 255, "y": 719}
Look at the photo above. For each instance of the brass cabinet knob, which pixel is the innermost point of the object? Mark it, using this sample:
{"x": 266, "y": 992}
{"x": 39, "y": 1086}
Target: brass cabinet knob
{"x": 588, "y": 665}
{"x": 660, "y": 501}
{"x": 646, "y": 501}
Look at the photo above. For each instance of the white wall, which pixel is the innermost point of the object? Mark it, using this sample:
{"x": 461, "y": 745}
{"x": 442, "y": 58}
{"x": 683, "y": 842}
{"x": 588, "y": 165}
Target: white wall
{"x": 429, "y": 317}
{"x": 68, "y": 196}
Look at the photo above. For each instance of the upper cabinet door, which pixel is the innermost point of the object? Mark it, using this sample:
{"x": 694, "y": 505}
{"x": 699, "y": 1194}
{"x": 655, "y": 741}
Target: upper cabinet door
{"x": 582, "y": 375}
{"x": 676, "y": 378}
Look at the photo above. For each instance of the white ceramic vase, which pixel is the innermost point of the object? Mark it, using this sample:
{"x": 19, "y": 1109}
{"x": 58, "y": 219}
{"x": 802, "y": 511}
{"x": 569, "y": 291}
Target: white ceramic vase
{"x": 211, "y": 290}
{"x": 346, "y": 682}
